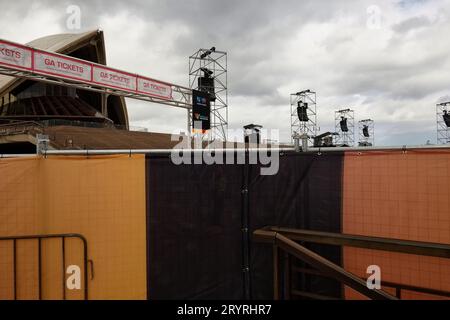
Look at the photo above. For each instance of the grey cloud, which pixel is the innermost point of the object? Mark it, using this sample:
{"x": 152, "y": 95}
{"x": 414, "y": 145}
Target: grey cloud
{"x": 267, "y": 61}
{"x": 411, "y": 24}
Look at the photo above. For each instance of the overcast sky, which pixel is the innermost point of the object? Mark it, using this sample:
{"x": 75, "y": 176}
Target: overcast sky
{"x": 387, "y": 60}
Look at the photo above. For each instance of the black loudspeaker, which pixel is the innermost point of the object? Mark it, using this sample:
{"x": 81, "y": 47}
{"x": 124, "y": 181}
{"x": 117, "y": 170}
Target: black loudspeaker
{"x": 206, "y": 84}
{"x": 446, "y": 118}
{"x": 343, "y": 123}
{"x": 366, "y": 131}
{"x": 302, "y": 111}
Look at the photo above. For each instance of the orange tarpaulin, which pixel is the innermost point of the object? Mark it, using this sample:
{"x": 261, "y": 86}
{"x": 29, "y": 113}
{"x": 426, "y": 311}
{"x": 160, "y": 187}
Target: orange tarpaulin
{"x": 102, "y": 198}
{"x": 400, "y": 195}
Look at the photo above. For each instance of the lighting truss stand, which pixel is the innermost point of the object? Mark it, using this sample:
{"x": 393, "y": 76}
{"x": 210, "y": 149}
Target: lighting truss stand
{"x": 302, "y": 128}
{"x": 443, "y": 132}
{"x": 345, "y": 138}
{"x": 363, "y": 140}
{"x": 215, "y": 61}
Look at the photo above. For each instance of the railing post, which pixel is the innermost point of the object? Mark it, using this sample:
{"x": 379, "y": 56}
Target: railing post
{"x": 287, "y": 276}
{"x": 40, "y": 268}
{"x": 63, "y": 247}
{"x": 276, "y": 280}
{"x": 15, "y": 268}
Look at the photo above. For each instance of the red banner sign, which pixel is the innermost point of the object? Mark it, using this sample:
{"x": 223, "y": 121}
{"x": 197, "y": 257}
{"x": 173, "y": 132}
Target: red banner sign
{"x": 15, "y": 55}
{"x": 154, "y": 88}
{"x": 114, "y": 78}
{"x": 61, "y": 66}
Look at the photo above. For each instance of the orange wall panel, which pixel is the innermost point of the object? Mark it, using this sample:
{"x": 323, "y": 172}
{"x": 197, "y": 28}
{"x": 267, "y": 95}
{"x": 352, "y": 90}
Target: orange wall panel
{"x": 102, "y": 198}
{"x": 402, "y": 196}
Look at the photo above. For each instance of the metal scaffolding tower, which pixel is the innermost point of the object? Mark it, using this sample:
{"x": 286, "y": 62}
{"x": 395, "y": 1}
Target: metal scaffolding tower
{"x": 443, "y": 131}
{"x": 303, "y": 114}
{"x": 215, "y": 63}
{"x": 366, "y": 129}
{"x": 345, "y": 137}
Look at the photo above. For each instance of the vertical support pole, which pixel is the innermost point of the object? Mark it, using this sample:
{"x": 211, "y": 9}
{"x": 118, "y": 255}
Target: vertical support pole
{"x": 189, "y": 123}
{"x": 398, "y": 292}
{"x": 63, "y": 247}
{"x": 276, "y": 279}
{"x": 40, "y": 268}
{"x": 105, "y": 104}
{"x": 15, "y": 268}
{"x": 85, "y": 256}
{"x": 287, "y": 276}
{"x": 245, "y": 227}
{"x": 296, "y": 138}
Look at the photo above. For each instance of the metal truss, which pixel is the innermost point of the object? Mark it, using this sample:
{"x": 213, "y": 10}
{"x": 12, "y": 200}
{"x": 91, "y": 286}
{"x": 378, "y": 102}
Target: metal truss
{"x": 299, "y": 128}
{"x": 216, "y": 62}
{"x": 443, "y": 132}
{"x": 363, "y": 140}
{"x": 345, "y": 138}
{"x": 182, "y": 97}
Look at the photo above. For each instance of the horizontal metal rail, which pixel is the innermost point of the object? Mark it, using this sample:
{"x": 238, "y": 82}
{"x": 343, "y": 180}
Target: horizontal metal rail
{"x": 21, "y": 155}
{"x": 274, "y": 148}
{"x": 380, "y": 148}
{"x": 164, "y": 151}
{"x": 397, "y": 286}
{"x": 367, "y": 242}
{"x": 94, "y": 152}
{"x": 227, "y": 150}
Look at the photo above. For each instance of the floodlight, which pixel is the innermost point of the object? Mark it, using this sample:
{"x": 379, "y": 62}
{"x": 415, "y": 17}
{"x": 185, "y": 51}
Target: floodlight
{"x": 207, "y": 53}
{"x": 208, "y": 73}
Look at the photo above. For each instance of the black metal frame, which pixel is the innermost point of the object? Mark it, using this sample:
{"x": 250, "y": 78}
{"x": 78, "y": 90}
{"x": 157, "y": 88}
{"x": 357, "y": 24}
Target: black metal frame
{"x": 40, "y": 239}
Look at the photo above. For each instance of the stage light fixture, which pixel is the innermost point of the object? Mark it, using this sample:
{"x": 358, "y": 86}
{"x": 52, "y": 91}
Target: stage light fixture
{"x": 302, "y": 112}
{"x": 446, "y": 118}
{"x": 303, "y": 92}
{"x": 366, "y": 131}
{"x": 343, "y": 124}
{"x": 207, "y": 73}
{"x": 207, "y": 53}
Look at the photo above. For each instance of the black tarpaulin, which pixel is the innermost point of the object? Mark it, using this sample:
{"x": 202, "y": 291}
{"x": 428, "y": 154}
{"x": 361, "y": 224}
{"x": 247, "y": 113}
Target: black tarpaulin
{"x": 305, "y": 194}
{"x": 196, "y": 213}
{"x": 194, "y": 236}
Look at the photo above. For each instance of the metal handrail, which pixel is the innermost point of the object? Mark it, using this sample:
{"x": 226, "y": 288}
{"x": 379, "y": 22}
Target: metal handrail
{"x": 368, "y": 242}
{"x": 325, "y": 267}
{"x": 397, "y": 286}
{"x": 320, "y": 263}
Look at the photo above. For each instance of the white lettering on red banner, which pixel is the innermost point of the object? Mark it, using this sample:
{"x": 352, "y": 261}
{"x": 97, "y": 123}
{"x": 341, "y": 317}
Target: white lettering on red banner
{"x": 154, "y": 88}
{"x": 61, "y": 66}
{"x": 15, "y": 56}
{"x": 113, "y": 78}
{"x": 19, "y": 57}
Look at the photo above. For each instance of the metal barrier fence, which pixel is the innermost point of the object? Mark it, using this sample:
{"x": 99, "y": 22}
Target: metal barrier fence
{"x": 40, "y": 239}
